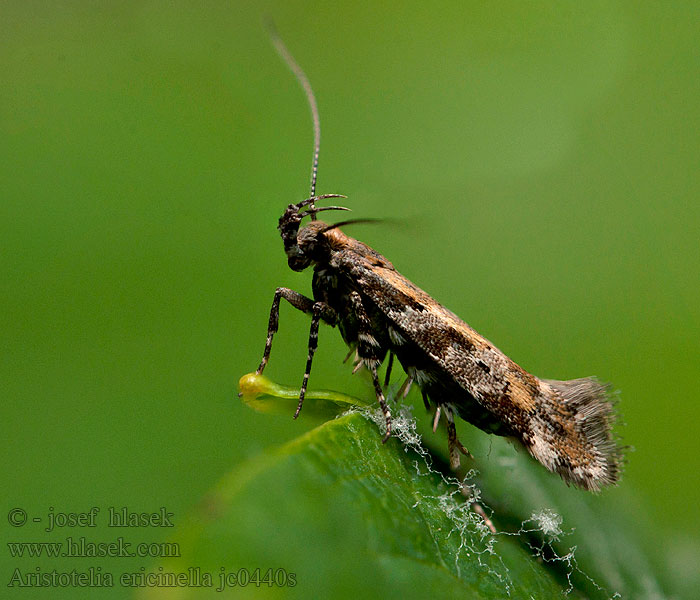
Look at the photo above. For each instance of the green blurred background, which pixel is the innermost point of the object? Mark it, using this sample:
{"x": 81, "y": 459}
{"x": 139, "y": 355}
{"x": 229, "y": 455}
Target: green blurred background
{"x": 538, "y": 165}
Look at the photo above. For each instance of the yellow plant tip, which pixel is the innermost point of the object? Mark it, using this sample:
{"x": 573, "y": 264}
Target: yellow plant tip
{"x": 253, "y": 384}
{"x": 266, "y": 396}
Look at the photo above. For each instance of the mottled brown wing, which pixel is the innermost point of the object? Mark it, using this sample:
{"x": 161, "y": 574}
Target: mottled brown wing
{"x": 475, "y": 364}
{"x": 566, "y": 425}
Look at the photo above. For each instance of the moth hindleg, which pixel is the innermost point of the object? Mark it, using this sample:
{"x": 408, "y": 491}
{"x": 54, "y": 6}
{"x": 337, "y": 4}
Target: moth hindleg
{"x": 454, "y": 446}
{"x": 382, "y": 403}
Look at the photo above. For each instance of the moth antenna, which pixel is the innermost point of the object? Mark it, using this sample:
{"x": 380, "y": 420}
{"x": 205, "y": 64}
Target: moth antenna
{"x": 349, "y": 222}
{"x": 312, "y": 201}
{"x": 303, "y": 80}
{"x": 306, "y": 213}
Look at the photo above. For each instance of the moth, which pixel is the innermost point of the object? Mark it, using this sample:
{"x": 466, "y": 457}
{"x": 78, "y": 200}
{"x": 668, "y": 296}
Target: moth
{"x": 565, "y": 425}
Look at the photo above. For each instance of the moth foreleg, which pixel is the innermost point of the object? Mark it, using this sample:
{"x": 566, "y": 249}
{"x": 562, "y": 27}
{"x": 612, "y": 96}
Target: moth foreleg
{"x": 298, "y": 301}
{"x": 318, "y": 310}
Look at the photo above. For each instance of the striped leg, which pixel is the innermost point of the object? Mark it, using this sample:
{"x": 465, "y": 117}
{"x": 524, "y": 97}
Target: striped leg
{"x": 318, "y": 309}
{"x": 371, "y": 354}
{"x": 387, "y": 376}
{"x": 382, "y": 403}
{"x": 299, "y": 302}
{"x": 454, "y": 446}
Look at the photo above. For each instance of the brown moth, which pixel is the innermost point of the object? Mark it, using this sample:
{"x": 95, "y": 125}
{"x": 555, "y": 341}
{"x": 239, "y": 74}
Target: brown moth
{"x": 565, "y": 425}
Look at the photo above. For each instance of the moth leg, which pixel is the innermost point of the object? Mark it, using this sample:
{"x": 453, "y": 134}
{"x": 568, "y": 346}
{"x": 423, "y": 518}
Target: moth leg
{"x": 369, "y": 351}
{"x": 479, "y": 510}
{"x": 299, "y": 302}
{"x": 348, "y": 355}
{"x": 426, "y": 400}
{"x": 405, "y": 388}
{"x": 454, "y": 446}
{"x": 436, "y": 418}
{"x": 370, "y": 354}
{"x": 317, "y": 311}
{"x": 468, "y": 493}
{"x": 382, "y": 403}
{"x": 387, "y": 376}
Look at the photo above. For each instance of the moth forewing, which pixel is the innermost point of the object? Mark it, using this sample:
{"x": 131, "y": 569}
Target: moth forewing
{"x": 565, "y": 425}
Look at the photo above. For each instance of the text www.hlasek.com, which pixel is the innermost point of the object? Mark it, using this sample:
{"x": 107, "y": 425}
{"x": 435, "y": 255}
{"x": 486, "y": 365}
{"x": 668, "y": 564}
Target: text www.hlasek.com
{"x": 82, "y": 548}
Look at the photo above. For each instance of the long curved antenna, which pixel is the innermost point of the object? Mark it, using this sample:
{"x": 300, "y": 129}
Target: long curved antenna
{"x": 312, "y": 201}
{"x": 306, "y": 213}
{"x": 350, "y": 222}
{"x": 304, "y": 82}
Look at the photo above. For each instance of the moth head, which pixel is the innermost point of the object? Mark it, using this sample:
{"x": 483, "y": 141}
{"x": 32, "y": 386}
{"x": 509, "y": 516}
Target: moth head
{"x": 303, "y": 247}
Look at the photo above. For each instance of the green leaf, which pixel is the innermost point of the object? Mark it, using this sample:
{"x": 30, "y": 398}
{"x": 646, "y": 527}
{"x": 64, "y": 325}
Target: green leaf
{"x": 345, "y": 516}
